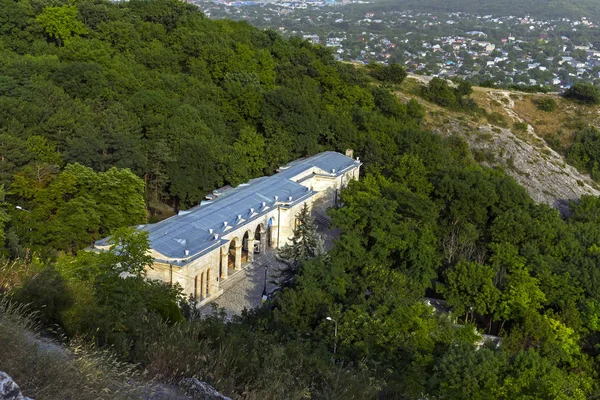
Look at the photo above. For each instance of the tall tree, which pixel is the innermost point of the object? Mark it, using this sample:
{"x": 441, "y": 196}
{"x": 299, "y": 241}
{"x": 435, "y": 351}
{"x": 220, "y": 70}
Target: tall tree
{"x": 306, "y": 244}
{"x": 61, "y": 23}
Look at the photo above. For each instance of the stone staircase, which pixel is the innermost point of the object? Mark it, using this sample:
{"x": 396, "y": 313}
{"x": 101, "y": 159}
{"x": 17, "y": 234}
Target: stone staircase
{"x": 322, "y": 219}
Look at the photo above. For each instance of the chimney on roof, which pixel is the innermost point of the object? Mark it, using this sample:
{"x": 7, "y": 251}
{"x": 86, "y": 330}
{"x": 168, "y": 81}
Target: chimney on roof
{"x": 350, "y": 153}
{"x": 210, "y": 231}
{"x": 216, "y": 236}
{"x": 333, "y": 171}
{"x": 187, "y": 252}
{"x": 276, "y": 198}
{"x": 239, "y": 216}
{"x": 225, "y": 223}
{"x": 264, "y": 204}
{"x": 252, "y": 211}
{"x": 290, "y": 198}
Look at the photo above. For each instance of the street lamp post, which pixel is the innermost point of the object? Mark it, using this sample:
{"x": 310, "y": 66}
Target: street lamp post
{"x": 334, "y": 334}
{"x": 264, "y": 294}
{"x": 30, "y": 229}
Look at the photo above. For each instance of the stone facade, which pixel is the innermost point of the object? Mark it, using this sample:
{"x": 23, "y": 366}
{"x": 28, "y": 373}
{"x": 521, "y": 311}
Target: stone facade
{"x": 254, "y": 229}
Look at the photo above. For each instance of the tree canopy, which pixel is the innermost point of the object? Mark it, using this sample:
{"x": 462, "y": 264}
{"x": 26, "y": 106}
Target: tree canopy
{"x": 112, "y": 112}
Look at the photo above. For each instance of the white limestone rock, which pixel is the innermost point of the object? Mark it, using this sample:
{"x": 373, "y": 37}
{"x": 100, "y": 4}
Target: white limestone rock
{"x": 9, "y": 390}
{"x": 202, "y": 390}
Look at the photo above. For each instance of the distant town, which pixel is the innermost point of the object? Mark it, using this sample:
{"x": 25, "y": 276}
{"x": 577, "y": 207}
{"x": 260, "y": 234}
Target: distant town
{"x": 484, "y": 49}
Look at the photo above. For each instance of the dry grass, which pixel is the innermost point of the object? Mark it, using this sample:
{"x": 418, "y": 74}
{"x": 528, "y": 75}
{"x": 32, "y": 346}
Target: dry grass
{"x": 482, "y": 98}
{"x": 411, "y": 86}
{"x": 566, "y": 119}
{"x": 45, "y": 370}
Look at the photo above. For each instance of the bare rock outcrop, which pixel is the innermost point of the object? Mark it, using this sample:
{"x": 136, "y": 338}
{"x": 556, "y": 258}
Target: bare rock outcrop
{"x": 9, "y": 390}
{"x": 525, "y": 156}
{"x": 538, "y": 168}
{"x": 201, "y": 390}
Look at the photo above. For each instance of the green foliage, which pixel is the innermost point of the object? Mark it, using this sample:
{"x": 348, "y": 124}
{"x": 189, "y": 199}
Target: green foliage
{"x": 585, "y": 151}
{"x": 547, "y": 104}
{"x": 46, "y": 292}
{"x": 130, "y": 247}
{"x": 392, "y": 73}
{"x": 464, "y": 88}
{"x": 306, "y": 244}
{"x": 470, "y": 288}
{"x": 150, "y": 100}
{"x": 496, "y": 118}
{"x": 74, "y": 207}
{"x": 586, "y": 93}
{"x": 60, "y": 23}
{"x": 439, "y": 92}
{"x": 463, "y": 373}
{"x": 521, "y": 126}
{"x": 186, "y": 103}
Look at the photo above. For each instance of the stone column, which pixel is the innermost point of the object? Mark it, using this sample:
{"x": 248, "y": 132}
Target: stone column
{"x": 250, "y": 249}
{"x": 238, "y": 257}
{"x": 263, "y": 240}
{"x": 274, "y": 229}
{"x": 224, "y": 262}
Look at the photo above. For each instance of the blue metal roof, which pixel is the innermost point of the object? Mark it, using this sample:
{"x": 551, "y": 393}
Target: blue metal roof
{"x": 191, "y": 229}
{"x": 328, "y": 161}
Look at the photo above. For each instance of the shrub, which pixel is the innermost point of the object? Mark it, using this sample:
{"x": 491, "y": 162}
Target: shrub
{"x": 520, "y": 126}
{"x": 45, "y": 370}
{"x": 553, "y": 140}
{"x": 439, "y": 92}
{"x": 585, "y": 152}
{"x": 392, "y": 73}
{"x": 495, "y": 118}
{"x": 584, "y": 92}
{"x": 414, "y": 109}
{"x": 547, "y": 104}
{"x": 47, "y": 293}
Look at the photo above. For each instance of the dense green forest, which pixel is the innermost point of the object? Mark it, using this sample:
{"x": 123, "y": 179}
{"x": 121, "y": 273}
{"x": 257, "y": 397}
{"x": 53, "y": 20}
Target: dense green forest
{"x": 556, "y": 9}
{"x": 109, "y": 111}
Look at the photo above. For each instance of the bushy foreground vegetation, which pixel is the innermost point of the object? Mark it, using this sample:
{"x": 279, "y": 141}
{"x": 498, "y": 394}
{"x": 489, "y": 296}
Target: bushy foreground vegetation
{"x": 44, "y": 370}
{"x": 108, "y": 108}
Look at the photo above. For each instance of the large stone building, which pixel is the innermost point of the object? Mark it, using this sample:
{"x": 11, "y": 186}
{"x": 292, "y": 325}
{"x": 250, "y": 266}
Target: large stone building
{"x": 201, "y": 247}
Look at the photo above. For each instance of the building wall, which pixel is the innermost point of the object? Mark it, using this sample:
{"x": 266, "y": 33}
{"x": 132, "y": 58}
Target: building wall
{"x": 283, "y": 223}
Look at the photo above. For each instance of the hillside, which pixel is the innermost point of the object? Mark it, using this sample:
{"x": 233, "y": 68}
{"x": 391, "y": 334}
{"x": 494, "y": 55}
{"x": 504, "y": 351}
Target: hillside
{"x": 537, "y": 8}
{"x": 523, "y": 154}
{"x": 113, "y": 113}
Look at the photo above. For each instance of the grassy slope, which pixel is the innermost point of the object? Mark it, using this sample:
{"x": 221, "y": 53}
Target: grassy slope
{"x": 496, "y": 141}
{"x": 559, "y": 125}
{"x": 46, "y": 370}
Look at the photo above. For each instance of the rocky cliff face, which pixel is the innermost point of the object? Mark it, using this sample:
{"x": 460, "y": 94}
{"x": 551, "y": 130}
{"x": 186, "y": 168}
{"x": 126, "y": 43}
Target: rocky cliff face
{"x": 523, "y": 155}
{"x": 538, "y": 168}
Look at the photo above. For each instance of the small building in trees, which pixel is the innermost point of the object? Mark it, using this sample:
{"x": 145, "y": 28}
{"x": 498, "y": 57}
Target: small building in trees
{"x": 201, "y": 247}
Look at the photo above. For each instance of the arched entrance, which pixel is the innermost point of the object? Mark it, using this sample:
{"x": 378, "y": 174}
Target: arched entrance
{"x": 246, "y": 243}
{"x": 260, "y": 238}
{"x": 234, "y": 259}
